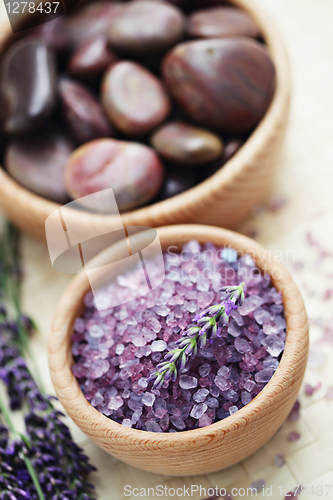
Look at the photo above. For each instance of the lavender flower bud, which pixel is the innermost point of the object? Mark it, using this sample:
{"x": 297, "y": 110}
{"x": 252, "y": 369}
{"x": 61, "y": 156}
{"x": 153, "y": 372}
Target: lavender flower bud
{"x": 204, "y": 319}
{"x": 182, "y": 361}
{"x": 199, "y": 316}
{"x": 202, "y": 340}
{"x": 214, "y": 309}
{"x": 169, "y": 373}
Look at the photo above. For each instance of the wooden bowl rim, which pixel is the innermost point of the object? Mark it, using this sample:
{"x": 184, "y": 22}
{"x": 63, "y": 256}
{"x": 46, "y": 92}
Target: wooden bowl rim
{"x": 297, "y": 341}
{"x": 222, "y": 178}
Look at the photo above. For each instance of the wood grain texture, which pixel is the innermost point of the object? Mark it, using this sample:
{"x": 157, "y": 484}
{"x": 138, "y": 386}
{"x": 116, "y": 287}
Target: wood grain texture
{"x": 224, "y": 200}
{"x": 201, "y": 450}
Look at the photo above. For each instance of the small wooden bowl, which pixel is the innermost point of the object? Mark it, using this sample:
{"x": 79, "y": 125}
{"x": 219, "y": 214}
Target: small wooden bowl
{"x": 216, "y": 446}
{"x": 224, "y": 199}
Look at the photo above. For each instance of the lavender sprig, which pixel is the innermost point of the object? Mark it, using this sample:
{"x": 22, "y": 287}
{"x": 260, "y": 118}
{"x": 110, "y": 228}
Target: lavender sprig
{"x": 209, "y": 324}
{"x": 22, "y": 481}
{"x": 53, "y": 463}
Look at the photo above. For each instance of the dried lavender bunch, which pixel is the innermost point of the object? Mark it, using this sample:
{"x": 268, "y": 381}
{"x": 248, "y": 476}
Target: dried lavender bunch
{"x": 209, "y": 325}
{"x": 56, "y": 466}
{"x": 15, "y": 480}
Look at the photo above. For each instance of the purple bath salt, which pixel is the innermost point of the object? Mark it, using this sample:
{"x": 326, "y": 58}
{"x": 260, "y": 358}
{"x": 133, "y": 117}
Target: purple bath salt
{"x": 200, "y": 395}
{"x": 148, "y": 399}
{"x": 116, "y": 351}
{"x": 187, "y": 382}
{"x": 198, "y": 410}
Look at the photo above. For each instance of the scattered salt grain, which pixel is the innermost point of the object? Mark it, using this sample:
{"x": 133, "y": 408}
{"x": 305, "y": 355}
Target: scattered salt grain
{"x": 279, "y": 460}
{"x": 294, "y": 436}
{"x": 258, "y": 485}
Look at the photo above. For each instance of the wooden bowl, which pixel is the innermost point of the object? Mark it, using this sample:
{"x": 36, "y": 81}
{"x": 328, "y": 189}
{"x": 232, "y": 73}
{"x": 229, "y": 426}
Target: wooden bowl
{"x": 224, "y": 199}
{"x": 210, "y": 448}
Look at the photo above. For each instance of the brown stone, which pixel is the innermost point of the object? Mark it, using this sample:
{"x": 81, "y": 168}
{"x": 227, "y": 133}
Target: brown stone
{"x": 38, "y": 162}
{"x": 133, "y": 98}
{"x": 224, "y": 83}
{"x": 146, "y": 26}
{"x": 220, "y": 22}
{"x": 185, "y": 144}
{"x": 132, "y": 170}
{"x": 82, "y": 111}
{"x": 91, "y": 58}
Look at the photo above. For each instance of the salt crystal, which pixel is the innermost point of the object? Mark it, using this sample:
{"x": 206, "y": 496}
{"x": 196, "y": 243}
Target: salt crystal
{"x": 156, "y": 325}
{"x": 242, "y": 345}
{"x": 97, "y": 399}
{"x": 148, "y": 334}
{"x": 158, "y": 346}
{"x": 269, "y": 327}
{"x": 79, "y": 325}
{"x": 246, "y": 397}
{"x": 231, "y": 395}
{"x": 274, "y": 345}
{"x": 264, "y": 375}
{"x": 152, "y": 426}
{"x": 135, "y": 417}
{"x": 178, "y": 423}
{"x": 294, "y": 436}
{"x": 135, "y": 405}
{"x": 115, "y": 402}
{"x": 98, "y": 368}
{"x": 205, "y": 299}
{"x": 200, "y": 395}
{"x": 187, "y": 382}
{"x": 249, "y": 385}
{"x": 258, "y": 485}
{"x": 148, "y": 399}
{"x": 120, "y": 349}
{"x": 204, "y": 369}
{"x": 162, "y": 310}
{"x": 222, "y": 413}
{"x": 164, "y": 422}
{"x": 329, "y": 393}
{"x": 215, "y": 392}
{"x": 224, "y": 371}
{"x": 229, "y": 255}
{"x": 260, "y": 315}
{"x": 139, "y": 340}
{"x": 143, "y": 383}
{"x": 212, "y": 402}
{"x": 250, "y": 304}
{"x": 234, "y": 329}
{"x": 203, "y": 284}
{"x": 96, "y": 331}
{"x": 271, "y": 363}
{"x": 279, "y": 460}
{"x": 156, "y": 357}
{"x": 222, "y": 383}
{"x": 309, "y": 390}
{"x": 192, "y": 306}
{"x": 205, "y": 420}
{"x": 127, "y": 422}
{"x": 192, "y": 246}
{"x": 198, "y": 410}
{"x": 233, "y": 409}
{"x": 237, "y": 317}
